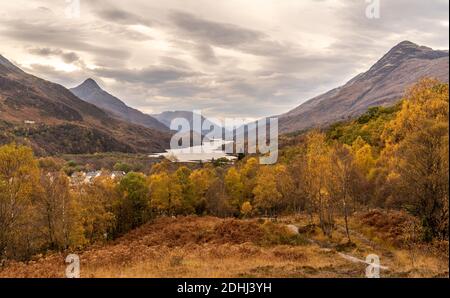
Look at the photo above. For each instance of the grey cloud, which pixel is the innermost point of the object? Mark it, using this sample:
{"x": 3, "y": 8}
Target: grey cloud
{"x": 197, "y": 60}
{"x": 150, "y": 75}
{"x": 68, "y": 79}
{"x": 119, "y": 31}
{"x": 213, "y": 32}
{"x": 50, "y": 34}
{"x": 67, "y": 57}
{"x": 182, "y": 89}
{"x": 174, "y": 62}
{"x": 122, "y": 17}
{"x": 206, "y": 33}
{"x": 70, "y": 57}
{"x": 44, "y": 51}
{"x": 205, "y": 54}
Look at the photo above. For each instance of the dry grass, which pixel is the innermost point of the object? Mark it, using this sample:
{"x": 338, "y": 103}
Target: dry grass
{"x": 213, "y": 247}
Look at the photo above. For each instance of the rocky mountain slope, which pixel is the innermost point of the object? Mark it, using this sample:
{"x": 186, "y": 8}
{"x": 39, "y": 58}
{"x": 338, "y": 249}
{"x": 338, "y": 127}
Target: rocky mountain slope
{"x": 382, "y": 85}
{"x": 53, "y": 120}
{"x": 91, "y": 92}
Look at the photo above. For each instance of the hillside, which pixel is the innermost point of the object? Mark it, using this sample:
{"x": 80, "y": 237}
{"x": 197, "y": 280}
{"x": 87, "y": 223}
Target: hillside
{"x": 91, "y": 92}
{"x": 382, "y": 85}
{"x": 53, "y": 120}
{"x": 231, "y": 248}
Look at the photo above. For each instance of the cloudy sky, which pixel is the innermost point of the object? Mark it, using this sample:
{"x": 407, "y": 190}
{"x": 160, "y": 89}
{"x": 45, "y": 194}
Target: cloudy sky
{"x": 229, "y": 58}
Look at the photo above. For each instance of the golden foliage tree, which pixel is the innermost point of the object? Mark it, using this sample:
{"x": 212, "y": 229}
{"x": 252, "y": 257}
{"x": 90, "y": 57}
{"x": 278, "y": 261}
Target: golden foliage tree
{"x": 416, "y": 156}
{"x": 234, "y": 187}
{"x": 317, "y": 177}
{"x": 248, "y": 173}
{"x": 342, "y": 179}
{"x": 166, "y": 195}
{"x": 202, "y": 180}
{"x": 246, "y": 209}
{"x": 19, "y": 184}
{"x": 266, "y": 193}
{"x": 95, "y": 209}
{"x": 181, "y": 178}
{"x": 54, "y": 205}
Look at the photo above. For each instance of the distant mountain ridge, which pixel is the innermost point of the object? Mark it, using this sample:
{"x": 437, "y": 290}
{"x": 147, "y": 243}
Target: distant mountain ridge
{"x": 168, "y": 116}
{"x": 52, "y": 120}
{"x": 382, "y": 85}
{"x": 91, "y": 92}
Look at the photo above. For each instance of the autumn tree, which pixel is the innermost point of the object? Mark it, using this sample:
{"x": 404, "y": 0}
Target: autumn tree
{"x": 364, "y": 158}
{"x": 298, "y": 168}
{"x": 416, "y": 156}
{"x": 317, "y": 176}
{"x": 160, "y": 167}
{"x": 234, "y": 187}
{"x": 51, "y": 164}
{"x": 202, "y": 181}
{"x": 246, "y": 209}
{"x": 95, "y": 209}
{"x": 54, "y": 205}
{"x": 342, "y": 179}
{"x": 181, "y": 177}
{"x": 266, "y": 193}
{"x": 285, "y": 185}
{"x": 132, "y": 209}
{"x": 248, "y": 173}
{"x": 166, "y": 194}
{"x": 217, "y": 200}
{"x": 19, "y": 183}
{"x": 364, "y": 172}
{"x": 123, "y": 167}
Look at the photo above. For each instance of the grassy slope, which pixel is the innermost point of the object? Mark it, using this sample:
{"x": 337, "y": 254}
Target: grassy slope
{"x": 213, "y": 247}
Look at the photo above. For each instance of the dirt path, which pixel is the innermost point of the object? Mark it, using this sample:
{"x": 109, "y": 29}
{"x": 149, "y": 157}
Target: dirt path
{"x": 355, "y": 235}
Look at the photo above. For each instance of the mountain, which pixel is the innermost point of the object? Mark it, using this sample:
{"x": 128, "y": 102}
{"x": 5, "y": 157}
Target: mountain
{"x": 91, "y": 92}
{"x": 382, "y": 85}
{"x": 7, "y": 66}
{"x": 53, "y": 120}
{"x": 167, "y": 117}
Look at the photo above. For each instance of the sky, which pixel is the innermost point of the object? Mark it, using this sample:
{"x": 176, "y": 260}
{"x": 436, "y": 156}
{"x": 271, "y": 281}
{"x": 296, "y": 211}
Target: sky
{"x": 228, "y": 58}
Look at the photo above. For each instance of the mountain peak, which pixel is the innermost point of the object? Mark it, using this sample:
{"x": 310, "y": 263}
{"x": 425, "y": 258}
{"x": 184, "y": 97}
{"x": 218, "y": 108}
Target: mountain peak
{"x": 406, "y": 43}
{"x": 384, "y": 84}
{"x": 411, "y": 47}
{"x": 90, "y": 84}
{"x": 402, "y": 52}
{"x": 92, "y": 93}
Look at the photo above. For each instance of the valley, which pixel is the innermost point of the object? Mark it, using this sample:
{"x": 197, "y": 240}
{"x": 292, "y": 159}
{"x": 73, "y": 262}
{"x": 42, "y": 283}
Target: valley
{"x": 362, "y": 171}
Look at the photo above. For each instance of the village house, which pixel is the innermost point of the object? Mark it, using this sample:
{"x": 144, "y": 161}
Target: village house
{"x": 78, "y": 178}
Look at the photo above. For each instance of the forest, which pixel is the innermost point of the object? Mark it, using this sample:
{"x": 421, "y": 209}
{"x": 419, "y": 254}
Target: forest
{"x": 392, "y": 158}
